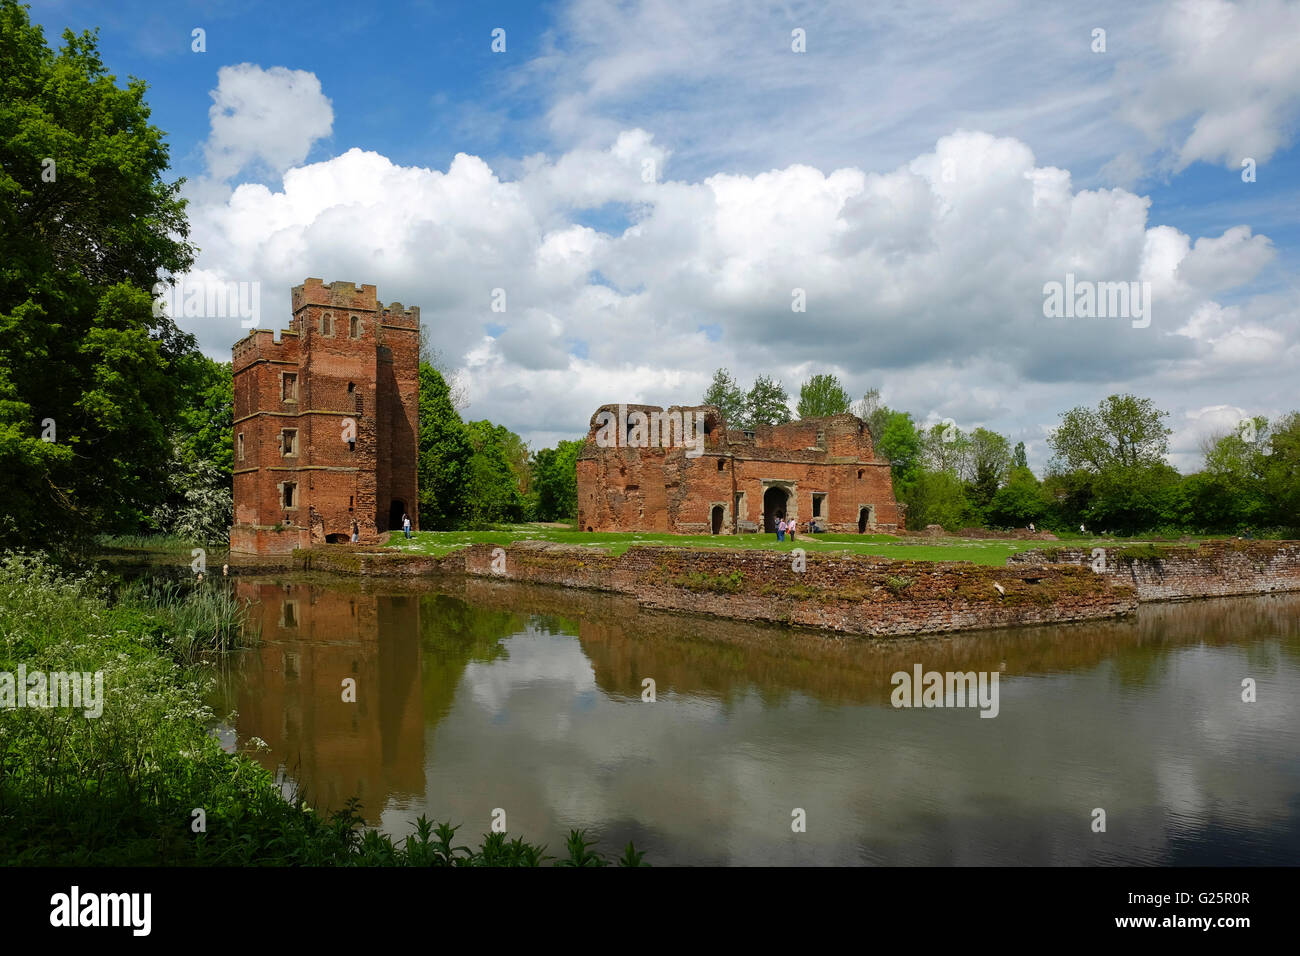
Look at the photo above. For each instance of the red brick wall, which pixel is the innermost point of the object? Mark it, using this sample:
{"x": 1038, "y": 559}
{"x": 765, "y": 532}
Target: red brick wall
{"x": 369, "y": 378}
{"x": 666, "y": 489}
{"x": 1215, "y": 569}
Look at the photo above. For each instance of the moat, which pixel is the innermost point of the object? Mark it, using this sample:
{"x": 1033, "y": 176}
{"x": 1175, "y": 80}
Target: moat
{"x": 487, "y": 695}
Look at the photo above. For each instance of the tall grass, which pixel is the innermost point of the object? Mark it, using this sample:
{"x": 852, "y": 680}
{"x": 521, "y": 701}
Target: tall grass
{"x": 122, "y": 789}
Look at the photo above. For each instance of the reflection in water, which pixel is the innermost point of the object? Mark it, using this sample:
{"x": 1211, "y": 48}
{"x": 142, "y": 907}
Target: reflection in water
{"x": 487, "y": 694}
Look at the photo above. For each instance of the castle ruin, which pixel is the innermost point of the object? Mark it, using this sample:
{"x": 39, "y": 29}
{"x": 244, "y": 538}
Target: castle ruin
{"x": 326, "y": 422}
{"x": 644, "y": 469}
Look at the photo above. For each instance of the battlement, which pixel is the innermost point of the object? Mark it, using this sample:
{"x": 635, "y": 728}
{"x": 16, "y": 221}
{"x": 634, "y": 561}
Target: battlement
{"x": 341, "y": 295}
{"x": 395, "y": 314}
{"x": 262, "y": 344}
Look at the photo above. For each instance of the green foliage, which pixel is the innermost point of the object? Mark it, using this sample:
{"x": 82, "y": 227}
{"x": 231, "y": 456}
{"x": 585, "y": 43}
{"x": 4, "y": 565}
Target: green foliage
{"x": 1123, "y": 432}
{"x": 492, "y": 485}
{"x": 822, "y": 395}
{"x": 120, "y": 789}
{"x": 555, "y": 480}
{"x": 81, "y": 244}
{"x": 935, "y": 497}
{"x": 725, "y": 394}
{"x": 1019, "y": 502}
{"x": 767, "y": 403}
{"x": 900, "y": 442}
{"x": 444, "y": 453}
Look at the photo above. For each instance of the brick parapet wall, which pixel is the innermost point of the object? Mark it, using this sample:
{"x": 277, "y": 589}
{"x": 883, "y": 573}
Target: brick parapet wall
{"x": 1173, "y": 573}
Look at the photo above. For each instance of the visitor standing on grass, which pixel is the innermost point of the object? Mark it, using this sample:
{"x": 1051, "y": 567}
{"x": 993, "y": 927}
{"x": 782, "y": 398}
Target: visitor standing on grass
{"x": 790, "y": 527}
{"x": 355, "y": 532}
{"x": 780, "y": 530}
{"x": 406, "y": 524}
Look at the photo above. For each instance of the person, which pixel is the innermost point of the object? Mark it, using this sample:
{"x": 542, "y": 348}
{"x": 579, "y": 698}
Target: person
{"x": 1081, "y": 531}
{"x": 406, "y": 524}
{"x": 1031, "y": 527}
{"x": 790, "y": 527}
{"x": 780, "y": 530}
{"x": 355, "y": 532}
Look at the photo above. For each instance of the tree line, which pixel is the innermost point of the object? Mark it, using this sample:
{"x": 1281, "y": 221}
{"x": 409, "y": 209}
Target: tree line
{"x": 1109, "y": 470}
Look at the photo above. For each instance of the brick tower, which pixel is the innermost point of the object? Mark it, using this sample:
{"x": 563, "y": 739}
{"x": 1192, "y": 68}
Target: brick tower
{"x": 326, "y": 422}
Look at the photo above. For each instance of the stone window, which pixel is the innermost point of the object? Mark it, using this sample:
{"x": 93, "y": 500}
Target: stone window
{"x": 327, "y": 323}
{"x": 819, "y": 505}
{"x": 722, "y": 464}
{"x": 290, "y": 494}
{"x": 354, "y": 327}
{"x": 289, "y": 443}
{"x": 288, "y": 613}
{"x": 861, "y": 472}
{"x": 240, "y": 442}
{"x": 288, "y": 386}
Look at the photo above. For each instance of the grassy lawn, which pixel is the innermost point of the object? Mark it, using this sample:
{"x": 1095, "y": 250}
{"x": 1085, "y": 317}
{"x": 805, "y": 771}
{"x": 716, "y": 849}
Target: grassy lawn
{"x": 979, "y": 551}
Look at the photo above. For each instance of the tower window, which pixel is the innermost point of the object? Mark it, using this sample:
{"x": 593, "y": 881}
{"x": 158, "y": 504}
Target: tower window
{"x": 239, "y": 440}
{"x": 722, "y": 464}
{"x": 289, "y": 387}
{"x": 861, "y": 472}
{"x": 290, "y": 494}
{"x": 289, "y": 442}
{"x": 354, "y": 327}
{"x": 327, "y": 323}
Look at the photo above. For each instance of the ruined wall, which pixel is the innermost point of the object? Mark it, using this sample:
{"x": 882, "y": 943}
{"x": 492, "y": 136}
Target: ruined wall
{"x": 844, "y": 593}
{"x": 821, "y": 470}
{"x": 331, "y": 410}
{"x": 1172, "y": 573}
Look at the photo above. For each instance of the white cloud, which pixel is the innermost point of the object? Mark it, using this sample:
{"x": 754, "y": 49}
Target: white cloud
{"x": 925, "y": 278}
{"x": 267, "y": 117}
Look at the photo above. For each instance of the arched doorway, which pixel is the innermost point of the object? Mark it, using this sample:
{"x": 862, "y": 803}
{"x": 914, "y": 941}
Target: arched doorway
{"x": 774, "y": 502}
{"x": 335, "y": 538}
{"x": 864, "y": 518}
{"x": 395, "y": 512}
{"x": 715, "y": 519}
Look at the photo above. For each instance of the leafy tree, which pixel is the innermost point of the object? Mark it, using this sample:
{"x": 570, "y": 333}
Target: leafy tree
{"x": 1018, "y": 457}
{"x": 990, "y": 464}
{"x": 822, "y": 395}
{"x": 1124, "y": 431}
{"x": 724, "y": 393}
{"x": 1018, "y": 502}
{"x": 870, "y": 409}
{"x": 82, "y": 241}
{"x": 935, "y": 497}
{"x": 767, "y": 403}
{"x": 1282, "y": 472}
{"x": 555, "y": 479}
{"x": 946, "y": 448}
{"x": 492, "y": 491}
{"x": 901, "y": 444}
{"x": 444, "y": 453}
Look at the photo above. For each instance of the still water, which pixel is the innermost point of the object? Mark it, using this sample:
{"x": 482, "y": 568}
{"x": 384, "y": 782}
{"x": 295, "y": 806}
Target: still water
{"x": 486, "y": 695}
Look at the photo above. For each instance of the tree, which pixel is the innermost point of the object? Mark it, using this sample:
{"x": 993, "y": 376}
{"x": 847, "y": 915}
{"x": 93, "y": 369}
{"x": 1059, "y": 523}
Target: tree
{"x": 1018, "y": 457}
{"x": 444, "y": 453}
{"x": 767, "y": 403}
{"x": 1124, "y": 431}
{"x": 725, "y": 394}
{"x": 870, "y": 409}
{"x": 990, "y": 464}
{"x": 1017, "y": 503}
{"x": 822, "y": 395}
{"x": 555, "y": 480}
{"x": 901, "y": 444}
{"x": 492, "y": 493}
{"x": 1282, "y": 472}
{"x": 87, "y": 226}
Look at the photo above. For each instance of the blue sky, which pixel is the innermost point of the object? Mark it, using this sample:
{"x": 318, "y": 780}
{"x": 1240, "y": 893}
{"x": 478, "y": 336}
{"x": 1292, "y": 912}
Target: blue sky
{"x": 909, "y": 169}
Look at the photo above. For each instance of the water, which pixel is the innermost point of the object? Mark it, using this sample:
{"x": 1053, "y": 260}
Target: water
{"x": 489, "y": 695}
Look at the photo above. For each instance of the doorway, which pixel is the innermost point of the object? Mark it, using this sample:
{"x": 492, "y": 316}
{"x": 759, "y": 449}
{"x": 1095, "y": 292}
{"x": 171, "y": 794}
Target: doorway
{"x": 864, "y": 519}
{"x": 395, "y": 512}
{"x": 715, "y": 521}
{"x": 774, "y": 504}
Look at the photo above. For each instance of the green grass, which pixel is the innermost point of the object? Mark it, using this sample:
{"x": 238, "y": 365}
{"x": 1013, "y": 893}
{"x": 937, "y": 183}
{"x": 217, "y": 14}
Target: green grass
{"x": 976, "y": 550}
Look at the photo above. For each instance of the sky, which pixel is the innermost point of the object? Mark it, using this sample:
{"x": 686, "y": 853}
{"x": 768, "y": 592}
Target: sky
{"x": 625, "y": 196}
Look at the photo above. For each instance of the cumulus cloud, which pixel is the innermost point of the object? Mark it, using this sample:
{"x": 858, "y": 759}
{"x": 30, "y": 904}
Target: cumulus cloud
{"x": 263, "y": 117}
{"x": 926, "y": 278}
